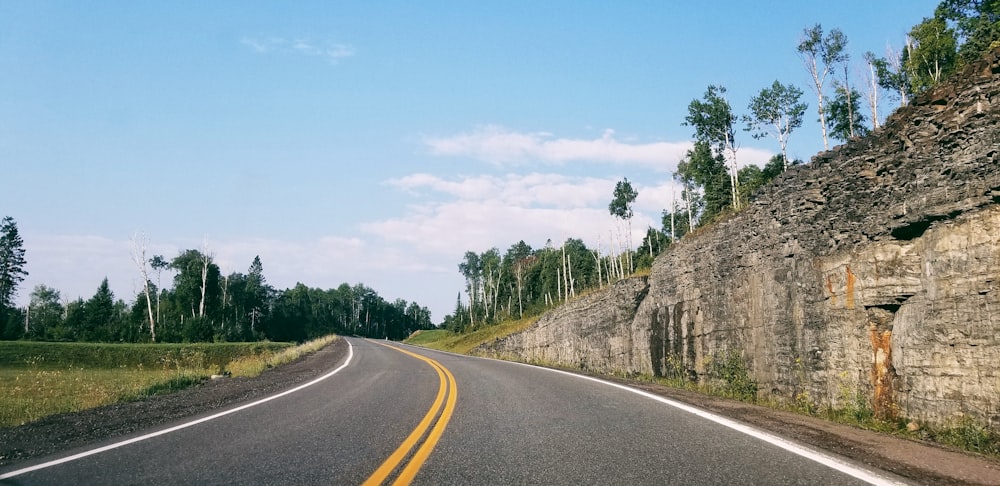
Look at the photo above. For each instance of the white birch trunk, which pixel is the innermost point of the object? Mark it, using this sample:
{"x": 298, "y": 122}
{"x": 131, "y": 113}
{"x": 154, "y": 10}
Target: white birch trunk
{"x": 139, "y": 258}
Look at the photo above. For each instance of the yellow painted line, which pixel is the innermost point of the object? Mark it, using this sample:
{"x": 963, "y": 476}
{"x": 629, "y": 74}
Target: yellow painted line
{"x": 446, "y": 390}
{"x": 410, "y": 471}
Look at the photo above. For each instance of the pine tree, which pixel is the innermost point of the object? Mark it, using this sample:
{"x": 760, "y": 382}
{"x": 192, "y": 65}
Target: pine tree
{"x": 12, "y": 262}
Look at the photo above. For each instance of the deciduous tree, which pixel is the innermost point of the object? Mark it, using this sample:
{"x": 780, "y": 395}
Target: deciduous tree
{"x": 976, "y": 24}
{"x": 715, "y": 124}
{"x": 776, "y": 111}
{"x": 139, "y": 244}
{"x": 845, "y": 123}
{"x": 821, "y": 55}
{"x": 621, "y": 208}
{"x": 931, "y": 53}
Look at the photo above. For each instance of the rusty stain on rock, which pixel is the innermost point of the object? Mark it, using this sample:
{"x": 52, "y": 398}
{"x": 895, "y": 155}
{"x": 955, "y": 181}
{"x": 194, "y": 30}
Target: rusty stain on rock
{"x": 882, "y": 372}
{"x": 849, "y": 295}
{"x": 882, "y": 402}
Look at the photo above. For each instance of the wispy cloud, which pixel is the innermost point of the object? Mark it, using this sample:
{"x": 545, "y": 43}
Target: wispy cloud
{"x": 479, "y": 212}
{"x": 333, "y": 52}
{"x": 498, "y": 145}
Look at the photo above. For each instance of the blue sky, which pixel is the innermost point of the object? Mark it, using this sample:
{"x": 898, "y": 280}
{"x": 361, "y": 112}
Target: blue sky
{"x": 371, "y": 142}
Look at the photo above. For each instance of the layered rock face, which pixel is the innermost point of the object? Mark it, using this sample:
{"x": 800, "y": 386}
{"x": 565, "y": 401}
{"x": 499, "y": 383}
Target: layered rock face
{"x": 872, "y": 272}
{"x": 595, "y": 332}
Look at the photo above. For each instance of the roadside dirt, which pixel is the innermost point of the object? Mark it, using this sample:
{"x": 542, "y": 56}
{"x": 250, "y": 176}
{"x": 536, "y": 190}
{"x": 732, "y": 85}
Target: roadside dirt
{"x": 920, "y": 462}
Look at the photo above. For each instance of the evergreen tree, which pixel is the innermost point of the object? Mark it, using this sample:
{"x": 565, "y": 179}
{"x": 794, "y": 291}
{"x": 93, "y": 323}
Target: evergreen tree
{"x": 12, "y": 262}
{"x": 99, "y": 318}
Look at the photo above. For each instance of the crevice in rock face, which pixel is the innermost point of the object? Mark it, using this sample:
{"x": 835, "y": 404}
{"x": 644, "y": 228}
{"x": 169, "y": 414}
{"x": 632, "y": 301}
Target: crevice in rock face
{"x": 916, "y": 229}
{"x": 657, "y": 342}
{"x": 892, "y": 308}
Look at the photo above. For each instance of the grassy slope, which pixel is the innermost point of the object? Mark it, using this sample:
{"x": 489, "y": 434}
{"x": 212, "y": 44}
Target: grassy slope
{"x": 464, "y": 343}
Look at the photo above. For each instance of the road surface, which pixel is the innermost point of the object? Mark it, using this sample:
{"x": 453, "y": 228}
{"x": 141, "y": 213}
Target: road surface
{"x": 395, "y": 414}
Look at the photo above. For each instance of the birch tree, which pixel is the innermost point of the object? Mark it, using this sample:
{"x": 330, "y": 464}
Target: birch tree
{"x": 206, "y": 260}
{"x": 714, "y": 124}
{"x": 892, "y": 75}
{"x": 621, "y": 208}
{"x": 931, "y": 53}
{"x": 821, "y": 54}
{"x": 158, "y": 263}
{"x": 139, "y": 244}
{"x": 872, "y": 88}
{"x": 471, "y": 269}
{"x": 776, "y": 111}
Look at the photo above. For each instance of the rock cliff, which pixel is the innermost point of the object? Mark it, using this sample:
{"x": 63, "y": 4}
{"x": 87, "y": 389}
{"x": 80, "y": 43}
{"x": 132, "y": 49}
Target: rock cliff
{"x": 871, "y": 272}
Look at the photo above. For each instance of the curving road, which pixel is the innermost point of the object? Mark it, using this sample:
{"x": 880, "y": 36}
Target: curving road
{"x": 397, "y": 413}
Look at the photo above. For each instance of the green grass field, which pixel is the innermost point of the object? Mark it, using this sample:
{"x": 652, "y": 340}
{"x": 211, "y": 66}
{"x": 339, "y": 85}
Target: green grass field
{"x": 38, "y": 379}
{"x": 444, "y": 340}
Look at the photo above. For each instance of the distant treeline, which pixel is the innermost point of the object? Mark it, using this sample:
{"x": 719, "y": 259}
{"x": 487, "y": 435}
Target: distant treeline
{"x": 202, "y": 305}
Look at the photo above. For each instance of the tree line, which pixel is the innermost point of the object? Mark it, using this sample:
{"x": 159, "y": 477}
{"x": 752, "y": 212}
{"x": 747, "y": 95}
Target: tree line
{"x": 188, "y": 299}
{"x": 524, "y": 281}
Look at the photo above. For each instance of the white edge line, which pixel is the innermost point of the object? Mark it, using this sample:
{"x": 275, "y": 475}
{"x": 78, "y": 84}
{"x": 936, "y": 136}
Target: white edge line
{"x": 824, "y": 459}
{"x": 350, "y": 355}
{"x": 813, "y": 455}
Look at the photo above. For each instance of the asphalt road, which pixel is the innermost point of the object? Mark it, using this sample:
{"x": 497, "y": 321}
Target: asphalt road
{"x": 393, "y": 412}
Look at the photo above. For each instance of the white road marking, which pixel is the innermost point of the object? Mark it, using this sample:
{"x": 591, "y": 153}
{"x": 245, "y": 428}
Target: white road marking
{"x": 350, "y": 355}
{"x": 825, "y": 459}
{"x": 817, "y": 456}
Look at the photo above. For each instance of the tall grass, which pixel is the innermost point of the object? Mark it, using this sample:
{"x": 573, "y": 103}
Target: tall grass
{"x": 255, "y": 364}
{"x": 42, "y": 379}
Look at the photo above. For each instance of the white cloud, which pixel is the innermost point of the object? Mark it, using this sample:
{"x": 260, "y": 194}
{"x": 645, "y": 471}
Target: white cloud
{"x": 546, "y": 190}
{"x": 533, "y": 207}
{"x": 497, "y": 145}
{"x": 333, "y": 52}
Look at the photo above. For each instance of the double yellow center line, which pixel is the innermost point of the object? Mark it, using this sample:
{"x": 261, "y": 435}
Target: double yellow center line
{"x": 436, "y": 420}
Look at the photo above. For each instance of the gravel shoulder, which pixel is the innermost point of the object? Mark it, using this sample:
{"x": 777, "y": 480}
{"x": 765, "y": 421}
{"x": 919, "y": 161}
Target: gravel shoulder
{"x": 920, "y": 462}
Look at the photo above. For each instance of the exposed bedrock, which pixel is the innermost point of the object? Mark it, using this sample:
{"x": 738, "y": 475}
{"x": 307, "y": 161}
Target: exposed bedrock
{"x": 871, "y": 272}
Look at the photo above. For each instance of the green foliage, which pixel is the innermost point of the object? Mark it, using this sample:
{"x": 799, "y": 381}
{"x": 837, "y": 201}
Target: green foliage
{"x": 844, "y": 116}
{"x": 968, "y": 434}
{"x": 708, "y": 171}
{"x": 171, "y": 385}
{"x": 891, "y": 75}
{"x": 39, "y": 379}
{"x": 238, "y": 308}
{"x": 713, "y": 119}
{"x": 776, "y": 112}
{"x": 653, "y": 243}
{"x": 624, "y": 196}
{"x": 49, "y": 355}
{"x": 464, "y": 343}
{"x": 12, "y": 262}
{"x": 732, "y": 372}
{"x": 976, "y": 24}
{"x": 830, "y": 50}
{"x": 931, "y": 54}
{"x": 822, "y": 55}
